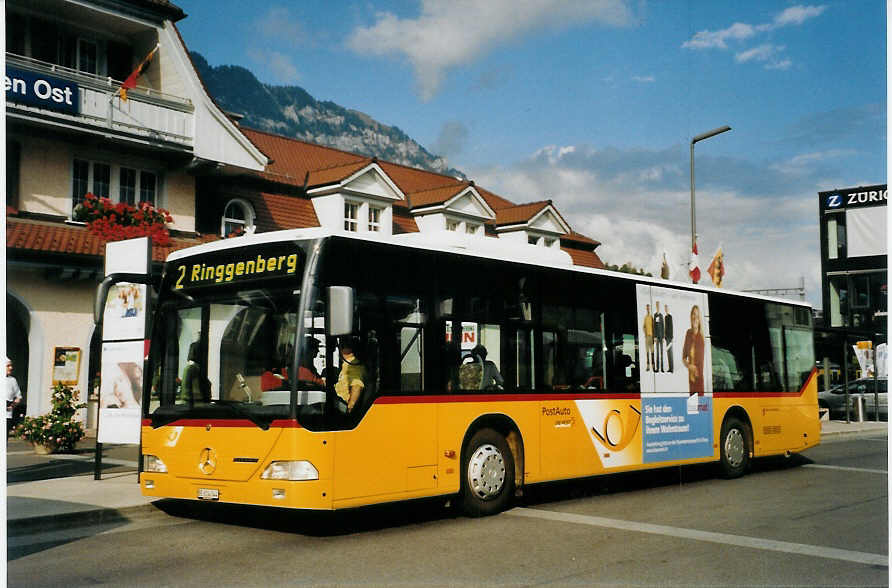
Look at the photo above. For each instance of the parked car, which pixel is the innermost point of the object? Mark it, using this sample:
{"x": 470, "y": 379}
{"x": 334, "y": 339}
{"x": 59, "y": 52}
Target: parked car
{"x": 835, "y": 398}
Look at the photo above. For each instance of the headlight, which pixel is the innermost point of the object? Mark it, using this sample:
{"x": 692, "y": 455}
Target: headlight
{"x": 290, "y": 470}
{"x": 152, "y": 463}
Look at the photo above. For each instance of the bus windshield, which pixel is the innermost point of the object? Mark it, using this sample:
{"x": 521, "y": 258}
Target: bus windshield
{"x": 224, "y": 355}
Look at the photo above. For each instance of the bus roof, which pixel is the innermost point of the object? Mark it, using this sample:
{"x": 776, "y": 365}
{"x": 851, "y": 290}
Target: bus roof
{"x": 485, "y": 247}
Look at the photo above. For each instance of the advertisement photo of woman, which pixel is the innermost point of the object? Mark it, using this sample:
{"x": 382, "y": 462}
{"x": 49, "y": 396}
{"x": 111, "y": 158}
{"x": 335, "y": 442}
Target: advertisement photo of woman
{"x": 692, "y": 353}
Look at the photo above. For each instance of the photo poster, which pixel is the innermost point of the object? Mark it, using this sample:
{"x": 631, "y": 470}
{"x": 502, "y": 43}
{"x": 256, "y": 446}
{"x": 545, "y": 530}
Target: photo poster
{"x": 124, "y": 319}
{"x": 120, "y": 391}
{"x": 675, "y": 363}
{"x": 125, "y": 312}
{"x": 66, "y": 365}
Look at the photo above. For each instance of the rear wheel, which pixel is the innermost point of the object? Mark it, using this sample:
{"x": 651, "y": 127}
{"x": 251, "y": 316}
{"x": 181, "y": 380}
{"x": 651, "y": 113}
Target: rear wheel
{"x": 487, "y": 474}
{"x": 735, "y": 451}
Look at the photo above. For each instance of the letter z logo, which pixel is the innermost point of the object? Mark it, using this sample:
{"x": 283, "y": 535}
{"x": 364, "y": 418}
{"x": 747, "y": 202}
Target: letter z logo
{"x": 834, "y": 201}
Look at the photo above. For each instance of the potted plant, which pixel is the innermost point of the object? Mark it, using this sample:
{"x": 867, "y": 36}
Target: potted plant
{"x": 115, "y": 222}
{"x": 56, "y": 431}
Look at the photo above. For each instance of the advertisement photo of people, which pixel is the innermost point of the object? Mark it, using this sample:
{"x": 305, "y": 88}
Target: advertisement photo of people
{"x": 676, "y": 372}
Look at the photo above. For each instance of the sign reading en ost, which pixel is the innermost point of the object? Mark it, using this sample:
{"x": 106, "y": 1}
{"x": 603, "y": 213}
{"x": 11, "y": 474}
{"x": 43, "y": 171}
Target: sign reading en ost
{"x": 34, "y": 89}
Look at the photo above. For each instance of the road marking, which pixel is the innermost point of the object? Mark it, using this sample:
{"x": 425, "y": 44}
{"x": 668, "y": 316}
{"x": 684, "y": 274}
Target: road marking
{"x": 845, "y": 468}
{"x": 722, "y": 538}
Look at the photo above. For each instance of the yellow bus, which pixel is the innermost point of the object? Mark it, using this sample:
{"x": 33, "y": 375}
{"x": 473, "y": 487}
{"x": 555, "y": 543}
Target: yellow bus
{"x": 312, "y": 370}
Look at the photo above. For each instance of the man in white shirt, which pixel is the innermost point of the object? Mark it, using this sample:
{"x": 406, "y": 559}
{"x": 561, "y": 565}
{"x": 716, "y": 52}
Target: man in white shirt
{"x": 13, "y": 397}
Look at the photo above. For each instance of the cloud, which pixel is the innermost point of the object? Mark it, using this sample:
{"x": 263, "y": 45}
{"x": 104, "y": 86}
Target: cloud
{"x": 452, "y": 139}
{"x": 637, "y": 203}
{"x": 796, "y": 15}
{"x": 450, "y": 34}
{"x": 718, "y": 39}
{"x": 277, "y": 25}
{"x": 644, "y": 79}
{"x": 767, "y": 53}
{"x": 280, "y": 65}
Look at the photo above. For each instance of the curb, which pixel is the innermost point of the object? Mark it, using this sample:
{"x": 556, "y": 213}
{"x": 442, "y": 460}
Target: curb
{"x": 84, "y": 518}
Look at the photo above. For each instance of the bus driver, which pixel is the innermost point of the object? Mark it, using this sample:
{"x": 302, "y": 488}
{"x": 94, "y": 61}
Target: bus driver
{"x": 351, "y": 381}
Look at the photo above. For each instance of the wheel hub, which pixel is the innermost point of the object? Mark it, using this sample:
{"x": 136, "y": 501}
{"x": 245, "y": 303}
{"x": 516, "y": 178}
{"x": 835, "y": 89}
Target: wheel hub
{"x": 735, "y": 448}
{"x": 486, "y": 472}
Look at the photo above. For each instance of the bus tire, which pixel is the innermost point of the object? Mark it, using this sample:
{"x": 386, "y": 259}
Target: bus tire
{"x": 734, "y": 447}
{"x": 487, "y": 484}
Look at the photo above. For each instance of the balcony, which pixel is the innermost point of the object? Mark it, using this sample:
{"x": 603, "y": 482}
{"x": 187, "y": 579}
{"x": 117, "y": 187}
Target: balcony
{"x": 147, "y": 116}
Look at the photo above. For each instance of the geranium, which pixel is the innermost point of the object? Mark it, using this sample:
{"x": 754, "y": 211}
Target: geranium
{"x": 115, "y": 222}
{"x": 58, "y": 429}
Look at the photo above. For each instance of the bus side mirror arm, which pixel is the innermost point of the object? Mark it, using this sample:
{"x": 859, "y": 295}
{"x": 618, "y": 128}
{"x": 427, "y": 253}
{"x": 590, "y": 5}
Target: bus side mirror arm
{"x": 340, "y": 311}
{"x": 106, "y": 284}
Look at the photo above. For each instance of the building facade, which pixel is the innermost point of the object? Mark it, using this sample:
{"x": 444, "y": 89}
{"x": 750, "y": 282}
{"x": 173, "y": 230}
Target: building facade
{"x": 854, "y": 258}
{"x": 70, "y": 132}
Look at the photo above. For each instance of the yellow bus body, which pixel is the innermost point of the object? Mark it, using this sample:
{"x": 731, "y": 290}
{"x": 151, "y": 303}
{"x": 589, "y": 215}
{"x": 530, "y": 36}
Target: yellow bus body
{"x": 411, "y": 447}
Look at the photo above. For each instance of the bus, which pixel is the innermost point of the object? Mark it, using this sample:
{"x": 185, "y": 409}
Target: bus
{"x": 315, "y": 370}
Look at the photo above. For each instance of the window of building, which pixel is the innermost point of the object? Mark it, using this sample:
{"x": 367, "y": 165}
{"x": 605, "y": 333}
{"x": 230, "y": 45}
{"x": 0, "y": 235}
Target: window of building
{"x": 127, "y": 185}
{"x": 375, "y": 219}
{"x": 238, "y": 217}
{"x": 133, "y": 182}
{"x": 471, "y": 228}
{"x": 351, "y": 216}
{"x": 148, "y": 187}
{"x": 105, "y": 180}
{"x": 451, "y": 225}
{"x": 87, "y": 56}
{"x": 532, "y": 240}
{"x": 90, "y": 176}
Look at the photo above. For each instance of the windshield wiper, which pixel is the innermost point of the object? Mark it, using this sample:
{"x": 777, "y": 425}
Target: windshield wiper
{"x": 239, "y": 408}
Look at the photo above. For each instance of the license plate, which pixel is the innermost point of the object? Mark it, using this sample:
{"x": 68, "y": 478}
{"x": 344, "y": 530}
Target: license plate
{"x": 208, "y": 494}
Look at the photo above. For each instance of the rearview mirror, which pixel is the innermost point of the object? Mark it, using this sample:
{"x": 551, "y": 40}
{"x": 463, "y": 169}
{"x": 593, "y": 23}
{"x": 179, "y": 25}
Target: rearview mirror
{"x": 340, "y": 311}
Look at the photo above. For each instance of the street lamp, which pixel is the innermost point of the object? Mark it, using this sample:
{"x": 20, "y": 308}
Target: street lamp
{"x": 705, "y": 135}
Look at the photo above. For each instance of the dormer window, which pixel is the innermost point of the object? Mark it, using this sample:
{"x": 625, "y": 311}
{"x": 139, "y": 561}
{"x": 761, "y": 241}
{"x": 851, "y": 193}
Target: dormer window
{"x": 471, "y": 228}
{"x": 351, "y": 216}
{"x": 451, "y": 225}
{"x": 238, "y": 217}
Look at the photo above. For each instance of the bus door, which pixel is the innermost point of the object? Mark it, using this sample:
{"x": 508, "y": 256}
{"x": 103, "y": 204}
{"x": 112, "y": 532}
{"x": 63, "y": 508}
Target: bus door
{"x": 386, "y": 442}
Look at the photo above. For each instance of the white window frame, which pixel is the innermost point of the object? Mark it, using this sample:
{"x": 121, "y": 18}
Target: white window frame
{"x": 376, "y": 213}
{"x": 114, "y": 180}
{"x": 247, "y": 211}
{"x": 351, "y": 216}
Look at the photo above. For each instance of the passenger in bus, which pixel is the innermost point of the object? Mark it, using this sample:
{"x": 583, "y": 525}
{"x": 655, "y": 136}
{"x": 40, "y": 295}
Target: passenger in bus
{"x": 307, "y": 372}
{"x": 192, "y": 388}
{"x": 491, "y": 376}
{"x": 692, "y": 353}
{"x": 351, "y": 381}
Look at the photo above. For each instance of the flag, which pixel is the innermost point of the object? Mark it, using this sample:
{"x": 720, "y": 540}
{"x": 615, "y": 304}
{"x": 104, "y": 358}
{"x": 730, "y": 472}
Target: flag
{"x": 692, "y": 266}
{"x": 717, "y": 268}
{"x": 664, "y": 268}
{"x": 130, "y": 82}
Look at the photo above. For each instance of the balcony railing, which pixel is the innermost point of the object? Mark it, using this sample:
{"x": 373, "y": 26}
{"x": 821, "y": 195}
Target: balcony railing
{"x": 146, "y": 114}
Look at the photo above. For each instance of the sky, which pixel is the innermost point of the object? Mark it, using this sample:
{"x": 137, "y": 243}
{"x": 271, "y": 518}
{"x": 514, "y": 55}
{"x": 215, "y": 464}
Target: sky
{"x": 593, "y": 104}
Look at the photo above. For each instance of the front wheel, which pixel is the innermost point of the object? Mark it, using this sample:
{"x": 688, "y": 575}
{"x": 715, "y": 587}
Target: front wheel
{"x": 735, "y": 452}
{"x": 487, "y": 474}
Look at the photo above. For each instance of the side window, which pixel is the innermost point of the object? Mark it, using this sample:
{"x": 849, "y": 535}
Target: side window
{"x": 732, "y": 350}
{"x": 620, "y": 336}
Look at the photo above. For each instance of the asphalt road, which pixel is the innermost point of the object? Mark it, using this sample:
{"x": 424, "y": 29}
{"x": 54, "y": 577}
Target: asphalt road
{"x": 816, "y": 519}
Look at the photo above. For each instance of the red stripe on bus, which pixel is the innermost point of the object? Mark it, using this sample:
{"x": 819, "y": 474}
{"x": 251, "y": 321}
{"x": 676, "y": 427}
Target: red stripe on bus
{"x": 276, "y": 424}
{"x": 455, "y": 398}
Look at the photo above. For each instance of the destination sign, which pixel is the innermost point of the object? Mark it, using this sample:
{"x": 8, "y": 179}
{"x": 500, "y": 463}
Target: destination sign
{"x": 237, "y": 266}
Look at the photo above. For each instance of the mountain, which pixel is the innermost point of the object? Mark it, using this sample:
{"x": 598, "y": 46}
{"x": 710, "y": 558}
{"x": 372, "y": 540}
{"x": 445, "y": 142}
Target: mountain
{"x": 291, "y": 111}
